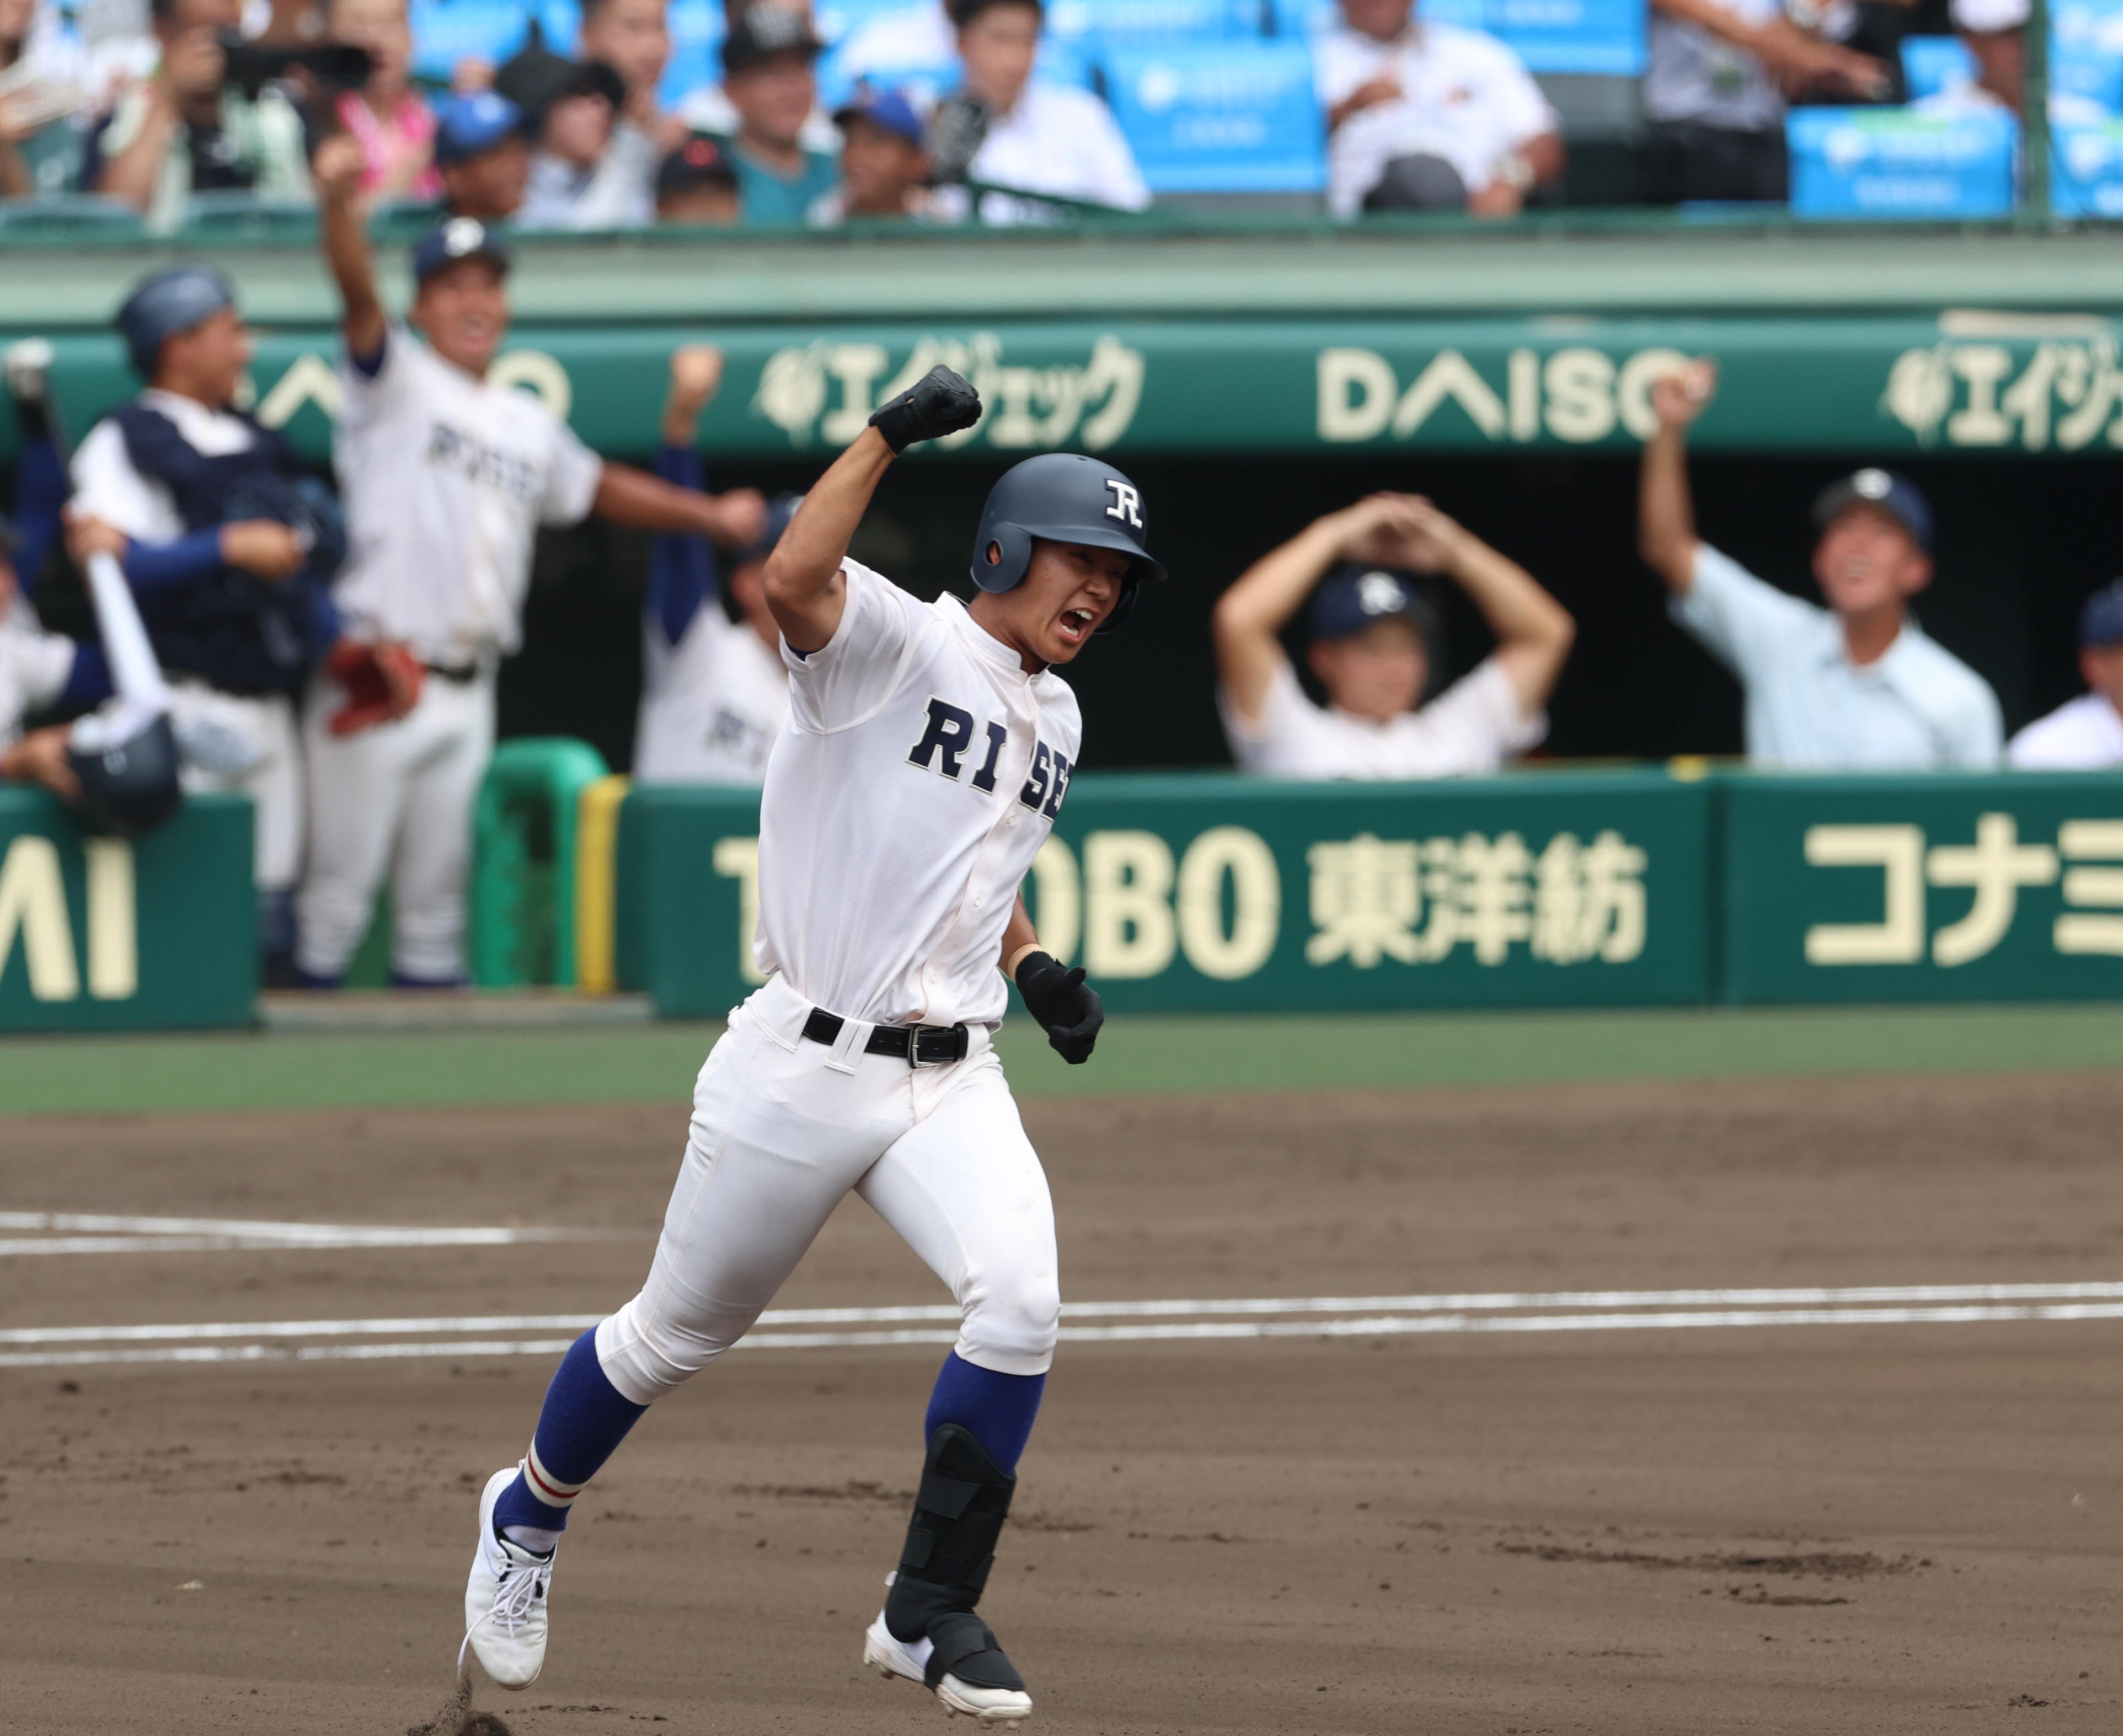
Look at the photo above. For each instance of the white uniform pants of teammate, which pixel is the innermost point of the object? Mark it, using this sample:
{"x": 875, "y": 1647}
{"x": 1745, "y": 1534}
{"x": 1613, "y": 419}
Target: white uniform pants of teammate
{"x": 782, "y": 1128}
{"x": 397, "y": 800}
{"x": 265, "y": 726}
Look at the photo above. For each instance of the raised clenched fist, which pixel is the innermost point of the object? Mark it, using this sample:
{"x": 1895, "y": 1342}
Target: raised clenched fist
{"x": 940, "y": 403}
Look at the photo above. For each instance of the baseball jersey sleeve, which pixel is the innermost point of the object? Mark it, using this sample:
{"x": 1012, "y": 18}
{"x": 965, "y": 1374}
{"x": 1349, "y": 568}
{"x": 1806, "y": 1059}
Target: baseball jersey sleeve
{"x": 1475, "y": 726}
{"x": 1977, "y": 740}
{"x": 572, "y": 473}
{"x": 106, "y": 486}
{"x": 370, "y": 395}
{"x": 1276, "y": 743}
{"x": 849, "y": 678}
{"x": 1743, "y": 621}
{"x": 1524, "y": 112}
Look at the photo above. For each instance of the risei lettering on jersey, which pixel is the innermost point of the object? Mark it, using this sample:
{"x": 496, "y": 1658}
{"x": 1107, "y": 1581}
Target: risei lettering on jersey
{"x": 951, "y": 740}
{"x": 33, "y": 912}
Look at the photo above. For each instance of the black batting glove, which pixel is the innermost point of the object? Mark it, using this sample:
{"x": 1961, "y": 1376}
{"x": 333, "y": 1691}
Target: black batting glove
{"x": 938, "y": 402}
{"x": 1064, "y": 1002}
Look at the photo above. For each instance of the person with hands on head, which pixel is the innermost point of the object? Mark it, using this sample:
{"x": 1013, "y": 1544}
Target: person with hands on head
{"x": 1856, "y": 685}
{"x": 447, "y": 478}
{"x": 1373, "y": 640}
{"x": 927, "y": 750}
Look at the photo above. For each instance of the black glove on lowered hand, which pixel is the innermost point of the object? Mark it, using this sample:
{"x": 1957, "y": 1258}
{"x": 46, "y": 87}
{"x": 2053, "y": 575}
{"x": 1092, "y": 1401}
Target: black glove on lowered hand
{"x": 938, "y": 402}
{"x": 1064, "y": 1002}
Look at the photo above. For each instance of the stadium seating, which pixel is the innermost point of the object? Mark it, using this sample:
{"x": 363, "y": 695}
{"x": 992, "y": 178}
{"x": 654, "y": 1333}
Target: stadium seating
{"x": 1936, "y": 66}
{"x": 1902, "y": 163}
{"x": 1231, "y": 117}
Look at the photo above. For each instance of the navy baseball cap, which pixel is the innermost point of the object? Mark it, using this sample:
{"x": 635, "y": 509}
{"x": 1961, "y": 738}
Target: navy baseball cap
{"x": 888, "y": 110}
{"x": 457, "y": 238}
{"x": 166, "y": 302}
{"x": 472, "y": 122}
{"x": 760, "y": 32}
{"x": 1354, "y": 596}
{"x": 2101, "y": 622}
{"x": 1893, "y": 495}
{"x": 702, "y": 161}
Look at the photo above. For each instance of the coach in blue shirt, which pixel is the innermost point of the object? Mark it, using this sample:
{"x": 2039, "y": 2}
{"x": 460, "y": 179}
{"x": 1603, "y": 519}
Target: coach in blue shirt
{"x": 1856, "y": 686}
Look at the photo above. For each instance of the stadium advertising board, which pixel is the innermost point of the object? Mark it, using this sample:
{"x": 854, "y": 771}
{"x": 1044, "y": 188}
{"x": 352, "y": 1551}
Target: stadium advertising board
{"x": 1214, "y": 893}
{"x": 1940, "y": 888}
{"x": 1879, "y": 385}
{"x": 158, "y": 933}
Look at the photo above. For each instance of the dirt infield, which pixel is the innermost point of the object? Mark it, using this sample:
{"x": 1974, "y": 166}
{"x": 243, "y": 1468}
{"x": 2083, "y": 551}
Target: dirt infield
{"x": 1560, "y": 1524}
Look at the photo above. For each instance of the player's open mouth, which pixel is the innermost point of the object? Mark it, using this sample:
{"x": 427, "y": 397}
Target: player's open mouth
{"x": 1076, "y": 624}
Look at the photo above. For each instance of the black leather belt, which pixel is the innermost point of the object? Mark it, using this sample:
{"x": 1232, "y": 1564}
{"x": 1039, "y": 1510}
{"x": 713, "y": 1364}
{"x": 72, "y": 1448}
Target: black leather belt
{"x": 462, "y": 674}
{"x": 919, "y": 1045}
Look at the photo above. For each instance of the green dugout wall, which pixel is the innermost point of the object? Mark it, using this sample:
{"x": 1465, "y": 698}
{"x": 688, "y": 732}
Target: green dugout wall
{"x": 1587, "y": 889}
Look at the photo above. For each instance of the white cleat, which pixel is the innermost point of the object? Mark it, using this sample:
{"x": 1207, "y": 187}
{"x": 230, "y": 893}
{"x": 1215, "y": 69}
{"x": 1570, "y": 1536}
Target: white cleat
{"x": 505, "y": 1599}
{"x": 890, "y": 1656}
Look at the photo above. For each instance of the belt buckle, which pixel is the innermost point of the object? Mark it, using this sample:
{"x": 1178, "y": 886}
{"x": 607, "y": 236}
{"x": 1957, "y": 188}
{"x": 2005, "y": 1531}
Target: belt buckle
{"x": 914, "y": 1034}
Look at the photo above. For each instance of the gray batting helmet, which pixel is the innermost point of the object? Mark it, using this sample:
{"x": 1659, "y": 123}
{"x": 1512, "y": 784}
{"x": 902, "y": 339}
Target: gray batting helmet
{"x": 1063, "y": 497}
{"x": 170, "y": 301}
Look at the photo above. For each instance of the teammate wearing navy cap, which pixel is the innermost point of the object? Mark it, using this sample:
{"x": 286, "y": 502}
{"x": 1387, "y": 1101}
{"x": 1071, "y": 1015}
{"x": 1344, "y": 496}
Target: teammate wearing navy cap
{"x": 447, "y": 478}
{"x": 227, "y": 543}
{"x": 1373, "y": 647}
{"x": 482, "y": 155}
{"x": 2084, "y": 734}
{"x": 885, "y": 164}
{"x": 1856, "y": 685}
{"x": 927, "y": 750}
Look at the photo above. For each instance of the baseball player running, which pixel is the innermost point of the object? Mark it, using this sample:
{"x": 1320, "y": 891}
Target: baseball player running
{"x": 447, "y": 478}
{"x": 927, "y": 750}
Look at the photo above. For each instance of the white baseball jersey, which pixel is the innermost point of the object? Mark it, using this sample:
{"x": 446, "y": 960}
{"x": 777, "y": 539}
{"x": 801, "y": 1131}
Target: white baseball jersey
{"x": 2084, "y": 734}
{"x": 1472, "y": 726}
{"x": 34, "y": 667}
{"x": 918, "y": 774}
{"x": 446, "y": 480}
{"x": 106, "y": 485}
{"x": 711, "y": 705}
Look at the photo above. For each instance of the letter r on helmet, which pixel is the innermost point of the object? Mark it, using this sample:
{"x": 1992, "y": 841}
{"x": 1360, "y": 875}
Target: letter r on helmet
{"x": 1127, "y": 502}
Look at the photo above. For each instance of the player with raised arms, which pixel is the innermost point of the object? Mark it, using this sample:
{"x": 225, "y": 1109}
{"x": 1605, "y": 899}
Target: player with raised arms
{"x": 926, "y": 752}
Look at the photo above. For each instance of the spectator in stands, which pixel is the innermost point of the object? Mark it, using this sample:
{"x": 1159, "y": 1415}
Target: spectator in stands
{"x": 1995, "y": 32}
{"x": 1011, "y": 129}
{"x": 43, "y": 100}
{"x": 714, "y": 691}
{"x": 633, "y": 37}
{"x": 392, "y": 120}
{"x": 2084, "y": 734}
{"x": 1855, "y": 687}
{"x": 587, "y": 169}
{"x": 767, "y": 62}
{"x": 707, "y": 108}
{"x": 1429, "y": 116}
{"x": 1715, "y": 90}
{"x": 696, "y": 184}
{"x": 885, "y": 168}
{"x": 226, "y": 541}
{"x": 1373, "y": 636}
{"x": 186, "y": 131}
{"x": 482, "y": 157}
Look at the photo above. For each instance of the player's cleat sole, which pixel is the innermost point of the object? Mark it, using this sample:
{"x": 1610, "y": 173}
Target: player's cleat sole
{"x": 505, "y": 1599}
{"x": 893, "y": 1658}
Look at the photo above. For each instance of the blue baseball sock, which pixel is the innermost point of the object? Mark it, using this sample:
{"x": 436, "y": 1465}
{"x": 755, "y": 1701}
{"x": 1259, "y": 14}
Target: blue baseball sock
{"x": 996, "y": 1409}
{"x": 585, "y": 1419}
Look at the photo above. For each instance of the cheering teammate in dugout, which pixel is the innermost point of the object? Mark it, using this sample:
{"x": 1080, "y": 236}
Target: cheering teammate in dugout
{"x": 926, "y": 751}
{"x": 1373, "y": 640}
{"x": 446, "y": 477}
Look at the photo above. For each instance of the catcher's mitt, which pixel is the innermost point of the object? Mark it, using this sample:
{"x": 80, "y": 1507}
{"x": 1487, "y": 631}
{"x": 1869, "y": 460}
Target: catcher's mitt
{"x": 383, "y": 682}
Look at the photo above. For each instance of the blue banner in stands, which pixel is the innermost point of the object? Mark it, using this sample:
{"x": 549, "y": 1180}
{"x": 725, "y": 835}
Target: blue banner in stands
{"x": 2086, "y": 52}
{"x": 1898, "y": 162}
{"x": 1220, "y": 117}
{"x": 2086, "y": 170}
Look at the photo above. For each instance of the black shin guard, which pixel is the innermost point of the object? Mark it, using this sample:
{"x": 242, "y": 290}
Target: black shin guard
{"x": 958, "y": 1513}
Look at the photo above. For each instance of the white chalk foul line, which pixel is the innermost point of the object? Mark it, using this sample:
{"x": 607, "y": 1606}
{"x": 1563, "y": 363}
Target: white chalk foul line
{"x": 95, "y": 1232}
{"x": 1361, "y": 1324}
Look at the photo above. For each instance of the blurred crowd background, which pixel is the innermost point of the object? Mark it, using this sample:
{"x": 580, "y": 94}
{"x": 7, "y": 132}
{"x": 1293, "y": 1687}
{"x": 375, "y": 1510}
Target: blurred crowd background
{"x": 622, "y": 114}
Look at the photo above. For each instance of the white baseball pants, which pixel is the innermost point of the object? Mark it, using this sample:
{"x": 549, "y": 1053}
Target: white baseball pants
{"x": 266, "y": 724}
{"x": 783, "y": 1127}
{"x": 393, "y": 800}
